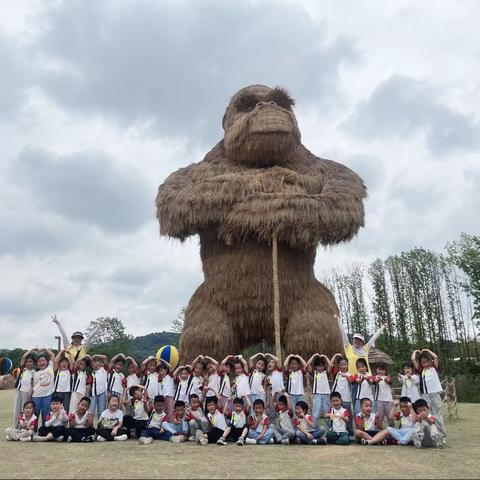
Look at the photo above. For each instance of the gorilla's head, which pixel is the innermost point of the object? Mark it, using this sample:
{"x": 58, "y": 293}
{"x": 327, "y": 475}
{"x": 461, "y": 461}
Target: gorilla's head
{"x": 260, "y": 127}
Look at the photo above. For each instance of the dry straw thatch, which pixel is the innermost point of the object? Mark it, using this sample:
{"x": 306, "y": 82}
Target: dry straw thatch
{"x": 258, "y": 180}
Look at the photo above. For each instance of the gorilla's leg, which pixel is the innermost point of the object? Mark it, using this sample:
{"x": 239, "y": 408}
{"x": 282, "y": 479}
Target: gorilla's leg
{"x": 206, "y": 331}
{"x": 311, "y": 327}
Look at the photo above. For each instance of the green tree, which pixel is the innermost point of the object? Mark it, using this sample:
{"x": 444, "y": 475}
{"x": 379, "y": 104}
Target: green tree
{"x": 111, "y": 329}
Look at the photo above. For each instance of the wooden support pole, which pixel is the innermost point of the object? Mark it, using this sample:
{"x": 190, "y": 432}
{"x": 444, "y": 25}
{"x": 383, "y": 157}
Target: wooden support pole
{"x": 276, "y": 298}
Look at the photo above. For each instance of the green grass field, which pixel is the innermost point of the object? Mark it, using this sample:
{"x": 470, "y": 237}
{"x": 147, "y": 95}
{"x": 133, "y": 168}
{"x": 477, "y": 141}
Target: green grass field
{"x": 165, "y": 460}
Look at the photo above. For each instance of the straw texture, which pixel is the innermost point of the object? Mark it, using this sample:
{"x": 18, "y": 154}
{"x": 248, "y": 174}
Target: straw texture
{"x": 257, "y": 180}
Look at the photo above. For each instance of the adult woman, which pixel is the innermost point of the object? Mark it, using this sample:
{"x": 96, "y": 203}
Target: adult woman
{"x": 358, "y": 348}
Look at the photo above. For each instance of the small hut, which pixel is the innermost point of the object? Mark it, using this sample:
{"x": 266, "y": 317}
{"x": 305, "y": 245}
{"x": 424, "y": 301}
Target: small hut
{"x": 376, "y": 356}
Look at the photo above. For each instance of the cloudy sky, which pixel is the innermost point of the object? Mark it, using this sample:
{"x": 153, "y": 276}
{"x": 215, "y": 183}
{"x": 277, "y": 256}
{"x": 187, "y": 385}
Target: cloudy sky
{"x": 101, "y": 100}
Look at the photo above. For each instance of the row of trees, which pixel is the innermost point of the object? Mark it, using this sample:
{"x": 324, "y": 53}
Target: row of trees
{"x": 427, "y": 299}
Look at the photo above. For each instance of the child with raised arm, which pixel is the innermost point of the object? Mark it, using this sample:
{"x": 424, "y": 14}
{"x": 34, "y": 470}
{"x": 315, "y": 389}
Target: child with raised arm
{"x": 283, "y": 429}
{"x": 406, "y": 418}
{"x": 237, "y": 428}
{"x": 256, "y": 379}
{"x": 364, "y": 381}
{"x": 80, "y": 423}
{"x": 217, "y": 422}
{"x": 426, "y": 364}
{"x": 98, "y": 395}
{"x": 43, "y": 383}
{"x": 141, "y": 411}
{"x": 339, "y": 419}
{"x": 241, "y": 384}
{"x": 224, "y": 387}
{"x": 115, "y": 377}
{"x": 319, "y": 367}
{"x": 155, "y": 428}
{"x": 24, "y": 426}
{"x": 183, "y": 383}
{"x": 80, "y": 380}
{"x": 383, "y": 395}
{"x": 110, "y": 424}
{"x": 197, "y": 421}
{"x": 132, "y": 380}
{"x": 409, "y": 381}
{"x": 150, "y": 376}
{"x": 166, "y": 387}
{"x": 55, "y": 424}
{"x": 24, "y": 384}
{"x": 63, "y": 378}
{"x": 259, "y": 431}
{"x": 306, "y": 430}
{"x": 198, "y": 372}
{"x": 295, "y": 367}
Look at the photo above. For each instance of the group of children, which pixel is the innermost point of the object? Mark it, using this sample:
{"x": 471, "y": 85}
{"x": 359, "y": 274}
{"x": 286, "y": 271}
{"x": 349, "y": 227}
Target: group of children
{"x": 256, "y": 402}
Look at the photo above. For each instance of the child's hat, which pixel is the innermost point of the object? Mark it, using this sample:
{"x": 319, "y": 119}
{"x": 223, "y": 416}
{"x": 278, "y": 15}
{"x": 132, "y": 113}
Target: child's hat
{"x": 360, "y": 337}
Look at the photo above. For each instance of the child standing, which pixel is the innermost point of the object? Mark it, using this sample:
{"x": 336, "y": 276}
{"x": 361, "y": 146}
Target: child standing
{"x": 426, "y": 363}
{"x": 55, "y": 424}
{"x": 242, "y": 385}
{"x": 80, "y": 423}
{"x": 283, "y": 429}
{"x": 409, "y": 381}
{"x": 166, "y": 387}
{"x": 257, "y": 377}
{"x": 150, "y": 377}
{"x": 383, "y": 395}
{"x": 306, "y": 430}
{"x": 237, "y": 428}
{"x": 99, "y": 384}
{"x": 132, "y": 380}
{"x": 320, "y": 367}
{"x": 339, "y": 419}
{"x": 63, "y": 378}
{"x": 110, "y": 425}
{"x": 79, "y": 382}
{"x": 259, "y": 432}
{"x": 341, "y": 384}
{"x": 427, "y": 432}
{"x": 183, "y": 384}
{"x": 25, "y": 424}
{"x": 155, "y": 425}
{"x": 197, "y": 376}
{"x": 295, "y": 367}
{"x": 115, "y": 377}
{"x": 23, "y": 384}
{"x": 364, "y": 381}
{"x": 43, "y": 384}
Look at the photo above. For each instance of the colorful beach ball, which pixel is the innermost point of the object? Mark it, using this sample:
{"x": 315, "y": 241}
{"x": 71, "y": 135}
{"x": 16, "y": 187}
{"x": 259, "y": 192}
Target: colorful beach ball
{"x": 168, "y": 353}
{"x": 5, "y": 365}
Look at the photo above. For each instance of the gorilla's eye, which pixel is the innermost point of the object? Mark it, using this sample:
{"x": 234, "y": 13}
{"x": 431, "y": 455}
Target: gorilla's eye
{"x": 282, "y": 98}
{"x": 246, "y": 103}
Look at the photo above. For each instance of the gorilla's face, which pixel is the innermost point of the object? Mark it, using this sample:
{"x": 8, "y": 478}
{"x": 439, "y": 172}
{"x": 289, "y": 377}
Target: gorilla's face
{"x": 260, "y": 127}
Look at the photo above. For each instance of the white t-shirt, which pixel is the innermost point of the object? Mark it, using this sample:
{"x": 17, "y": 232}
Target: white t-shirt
{"x": 366, "y": 423}
{"x": 29, "y": 424}
{"x": 63, "y": 380}
{"x": 256, "y": 382}
{"x": 197, "y": 385}
{"x": 243, "y": 386}
{"x": 285, "y": 420}
{"x": 166, "y": 386}
{"x": 213, "y": 381}
{"x": 339, "y": 425}
{"x": 406, "y": 422}
{"x": 151, "y": 384}
{"x": 111, "y": 419}
{"x": 217, "y": 420}
{"x": 25, "y": 382}
{"x": 199, "y": 413}
{"x": 263, "y": 421}
{"x": 276, "y": 381}
{"x": 43, "y": 381}
{"x": 182, "y": 390}
{"x": 156, "y": 420}
{"x": 139, "y": 412}
{"x": 295, "y": 383}
{"x": 115, "y": 382}
{"x": 132, "y": 381}
{"x": 238, "y": 420}
{"x": 429, "y": 381}
{"x": 410, "y": 387}
{"x": 57, "y": 420}
{"x": 224, "y": 386}
{"x": 364, "y": 389}
{"x": 383, "y": 392}
{"x": 79, "y": 382}
{"x": 80, "y": 422}
{"x": 320, "y": 382}
{"x": 99, "y": 384}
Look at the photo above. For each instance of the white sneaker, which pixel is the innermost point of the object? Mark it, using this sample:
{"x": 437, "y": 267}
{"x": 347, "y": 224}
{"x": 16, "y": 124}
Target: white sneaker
{"x": 250, "y": 441}
{"x": 69, "y": 439}
{"x": 141, "y": 440}
{"x": 26, "y": 439}
{"x": 200, "y": 438}
{"x": 192, "y": 438}
{"x": 285, "y": 441}
{"x": 147, "y": 440}
{"x": 120, "y": 438}
{"x": 271, "y": 441}
{"x": 59, "y": 439}
{"x": 177, "y": 439}
{"x": 222, "y": 441}
{"x": 38, "y": 438}
{"x": 100, "y": 439}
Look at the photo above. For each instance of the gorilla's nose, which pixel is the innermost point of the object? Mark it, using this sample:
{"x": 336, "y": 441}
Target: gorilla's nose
{"x": 266, "y": 104}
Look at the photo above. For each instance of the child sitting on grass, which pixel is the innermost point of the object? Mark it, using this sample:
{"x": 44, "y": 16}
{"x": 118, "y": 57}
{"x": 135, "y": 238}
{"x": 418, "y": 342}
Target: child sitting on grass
{"x": 110, "y": 425}
{"x": 141, "y": 409}
{"x": 305, "y": 429}
{"x": 364, "y": 381}
{"x": 237, "y": 428}
{"x": 155, "y": 428}
{"x": 197, "y": 421}
{"x": 55, "y": 424}
{"x": 339, "y": 419}
{"x": 406, "y": 418}
{"x": 80, "y": 423}
{"x": 427, "y": 432}
{"x": 367, "y": 424}
{"x": 283, "y": 429}
{"x": 25, "y": 425}
{"x": 24, "y": 384}
{"x": 259, "y": 431}
{"x": 342, "y": 382}
{"x": 217, "y": 422}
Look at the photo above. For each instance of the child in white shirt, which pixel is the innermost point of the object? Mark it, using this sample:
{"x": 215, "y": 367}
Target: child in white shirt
{"x": 384, "y": 406}
{"x": 55, "y": 424}
{"x": 237, "y": 428}
{"x": 427, "y": 432}
{"x": 141, "y": 409}
{"x": 43, "y": 383}
{"x": 306, "y": 430}
{"x": 110, "y": 425}
{"x": 410, "y": 382}
{"x": 156, "y": 424}
{"x": 295, "y": 367}
{"x": 241, "y": 384}
{"x": 217, "y": 422}
{"x": 166, "y": 387}
{"x": 339, "y": 419}
{"x": 183, "y": 384}
{"x": 283, "y": 429}
{"x": 63, "y": 378}
{"x": 80, "y": 423}
{"x": 115, "y": 378}
{"x": 150, "y": 377}
{"x": 319, "y": 367}
{"x": 25, "y": 424}
{"x": 132, "y": 380}
{"x": 197, "y": 421}
{"x": 342, "y": 381}
{"x": 259, "y": 432}
{"x": 80, "y": 380}
{"x": 367, "y": 423}
{"x": 257, "y": 377}
{"x": 364, "y": 380}
{"x": 98, "y": 394}
{"x": 23, "y": 384}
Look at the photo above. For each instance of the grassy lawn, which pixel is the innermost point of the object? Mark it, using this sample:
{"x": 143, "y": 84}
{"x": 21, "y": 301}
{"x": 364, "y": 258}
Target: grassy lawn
{"x": 165, "y": 460}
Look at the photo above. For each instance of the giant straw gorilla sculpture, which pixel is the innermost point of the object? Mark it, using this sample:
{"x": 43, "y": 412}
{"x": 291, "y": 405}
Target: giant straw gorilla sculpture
{"x": 257, "y": 180}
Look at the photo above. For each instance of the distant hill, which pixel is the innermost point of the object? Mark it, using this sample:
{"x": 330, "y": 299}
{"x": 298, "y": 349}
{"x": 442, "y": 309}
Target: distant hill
{"x": 142, "y": 347}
